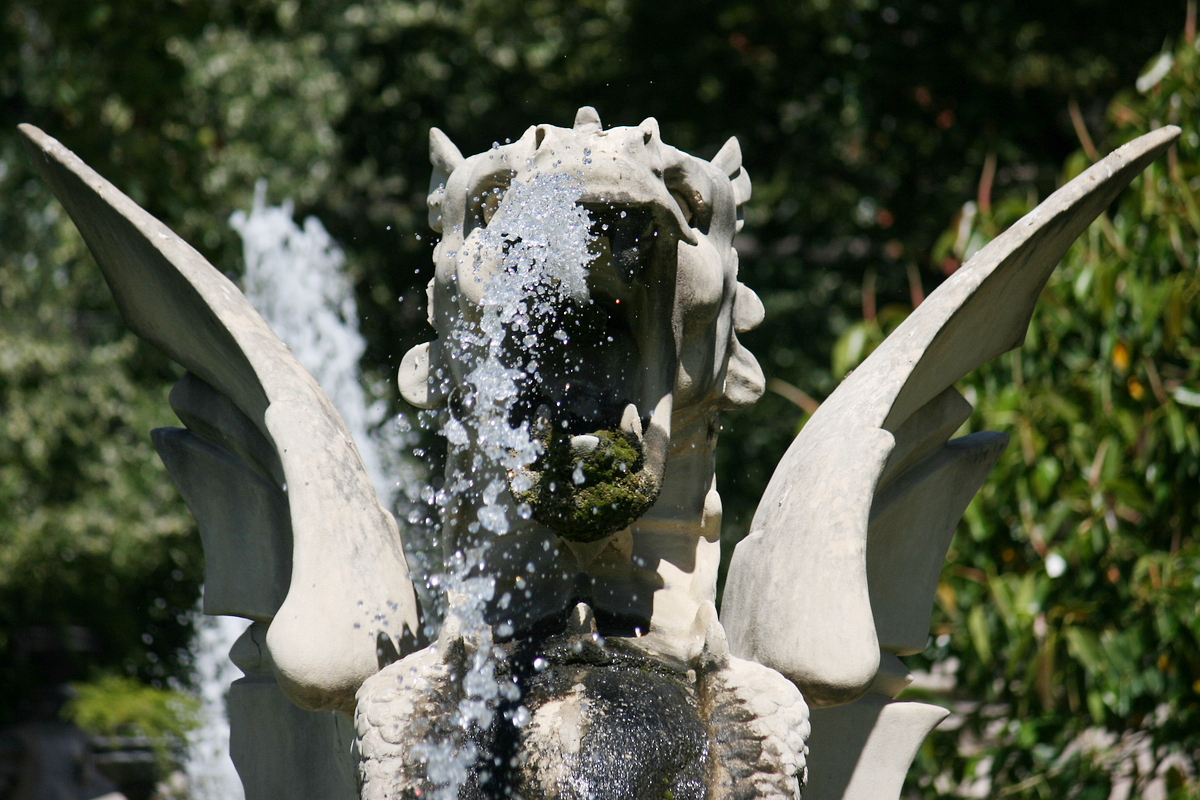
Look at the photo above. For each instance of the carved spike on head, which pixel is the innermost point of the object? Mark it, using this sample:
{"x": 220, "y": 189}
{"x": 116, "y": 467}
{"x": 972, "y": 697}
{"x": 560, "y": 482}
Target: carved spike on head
{"x": 587, "y": 120}
{"x": 729, "y": 161}
{"x": 729, "y": 158}
{"x": 445, "y": 158}
{"x": 443, "y": 153}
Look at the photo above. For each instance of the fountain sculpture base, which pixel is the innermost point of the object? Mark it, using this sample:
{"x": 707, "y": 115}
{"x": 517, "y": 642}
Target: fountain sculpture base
{"x": 584, "y": 718}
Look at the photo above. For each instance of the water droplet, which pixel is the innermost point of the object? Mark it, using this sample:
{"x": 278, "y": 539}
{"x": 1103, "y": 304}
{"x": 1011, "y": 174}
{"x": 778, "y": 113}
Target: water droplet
{"x": 540, "y": 664}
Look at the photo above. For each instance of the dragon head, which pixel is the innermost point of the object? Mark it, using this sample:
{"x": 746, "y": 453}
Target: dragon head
{"x": 646, "y": 336}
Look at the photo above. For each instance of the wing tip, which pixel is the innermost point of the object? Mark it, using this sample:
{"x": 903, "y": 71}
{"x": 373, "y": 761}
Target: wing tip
{"x": 32, "y": 133}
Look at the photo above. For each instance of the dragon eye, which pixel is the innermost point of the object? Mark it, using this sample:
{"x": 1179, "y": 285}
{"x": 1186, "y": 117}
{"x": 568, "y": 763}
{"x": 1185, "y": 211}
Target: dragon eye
{"x": 684, "y": 205}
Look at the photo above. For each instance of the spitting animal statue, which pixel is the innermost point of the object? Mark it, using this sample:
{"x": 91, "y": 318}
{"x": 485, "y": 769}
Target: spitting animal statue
{"x": 620, "y": 381}
{"x": 587, "y": 305}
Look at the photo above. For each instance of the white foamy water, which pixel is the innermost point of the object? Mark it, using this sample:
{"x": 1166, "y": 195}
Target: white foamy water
{"x": 539, "y": 242}
{"x": 293, "y": 278}
{"x": 210, "y": 772}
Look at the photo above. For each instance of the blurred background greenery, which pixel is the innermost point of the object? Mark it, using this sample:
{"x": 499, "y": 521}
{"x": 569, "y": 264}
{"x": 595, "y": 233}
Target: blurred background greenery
{"x": 886, "y": 140}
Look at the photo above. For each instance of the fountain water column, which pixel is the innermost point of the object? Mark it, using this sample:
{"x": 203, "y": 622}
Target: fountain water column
{"x": 210, "y": 772}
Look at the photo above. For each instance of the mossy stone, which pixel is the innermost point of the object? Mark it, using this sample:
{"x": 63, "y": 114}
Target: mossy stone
{"x": 614, "y": 490}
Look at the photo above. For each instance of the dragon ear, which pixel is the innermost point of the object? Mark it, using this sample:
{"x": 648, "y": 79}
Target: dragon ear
{"x": 748, "y": 311}
{"x": 744, "y": 380}
{"x": 445, "y": 158}
{"x": 729, "y": 161}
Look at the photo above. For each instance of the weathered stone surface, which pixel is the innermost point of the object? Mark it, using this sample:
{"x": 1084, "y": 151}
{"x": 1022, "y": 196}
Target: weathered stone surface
{"x": 346, "y": 564}
{"x": 862, "y": 751}
{"x": 587, "y": 720}
{"x": 813, "y": 620}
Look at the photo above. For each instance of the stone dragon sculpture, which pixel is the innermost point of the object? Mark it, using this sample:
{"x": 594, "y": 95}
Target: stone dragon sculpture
{"x": 643, "y": 364}
{"x": 616, "y": 677}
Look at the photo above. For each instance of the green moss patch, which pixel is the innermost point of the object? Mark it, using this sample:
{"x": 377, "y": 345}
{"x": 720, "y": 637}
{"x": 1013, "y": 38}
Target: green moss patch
{"x": 614, "y": 490}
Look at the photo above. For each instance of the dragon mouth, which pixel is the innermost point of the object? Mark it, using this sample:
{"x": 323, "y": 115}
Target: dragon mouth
{"x": 598, "y": 395}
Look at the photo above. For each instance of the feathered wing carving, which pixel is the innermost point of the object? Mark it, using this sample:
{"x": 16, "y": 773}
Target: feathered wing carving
{"x": 845, "y": 550}
{"x": 295, "y": 537}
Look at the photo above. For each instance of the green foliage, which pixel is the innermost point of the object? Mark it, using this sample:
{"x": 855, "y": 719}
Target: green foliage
{"x": 115, "y": 705}
{"x": 1070, "y": 604}
{"x": 93, "y": 533}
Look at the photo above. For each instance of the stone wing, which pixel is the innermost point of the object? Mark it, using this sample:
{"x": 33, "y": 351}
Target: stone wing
{"x": 294, "y": 535}
{"x": 836, "y": 579}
